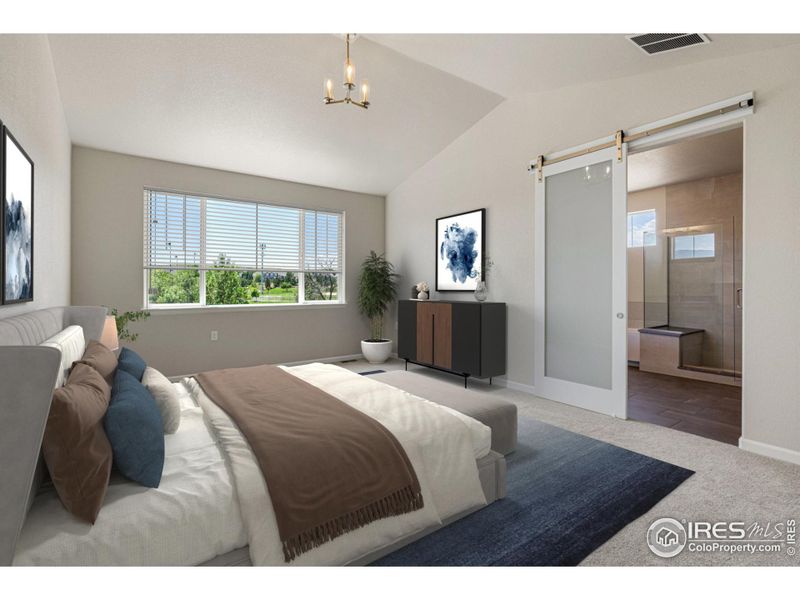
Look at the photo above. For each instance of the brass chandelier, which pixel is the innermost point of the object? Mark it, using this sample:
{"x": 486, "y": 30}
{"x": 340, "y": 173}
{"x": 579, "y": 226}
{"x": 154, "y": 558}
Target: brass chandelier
{"x": 349, "y": 81}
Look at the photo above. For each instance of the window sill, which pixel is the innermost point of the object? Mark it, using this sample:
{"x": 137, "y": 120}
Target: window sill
{"x": 183, "y": 310}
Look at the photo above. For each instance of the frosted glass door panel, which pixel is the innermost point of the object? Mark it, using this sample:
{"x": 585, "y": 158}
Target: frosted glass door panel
{"x": 578, "y": 267}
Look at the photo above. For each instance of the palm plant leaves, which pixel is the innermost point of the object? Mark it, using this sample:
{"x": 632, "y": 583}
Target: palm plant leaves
{"x": 376, "y": 290}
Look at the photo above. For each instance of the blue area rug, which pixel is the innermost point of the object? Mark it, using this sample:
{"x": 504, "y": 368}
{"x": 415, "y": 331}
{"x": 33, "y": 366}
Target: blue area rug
{"x": 567, "y": 495}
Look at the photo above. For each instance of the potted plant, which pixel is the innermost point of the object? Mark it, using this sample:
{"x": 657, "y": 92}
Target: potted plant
{"x": 376, "y": 290}
{"x": 124, "y": 319}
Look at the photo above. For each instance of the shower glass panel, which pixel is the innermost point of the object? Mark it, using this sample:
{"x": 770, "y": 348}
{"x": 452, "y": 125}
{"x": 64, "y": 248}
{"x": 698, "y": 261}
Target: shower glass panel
{"x": 701, "y": 286}
{"x": 655, "y": 277}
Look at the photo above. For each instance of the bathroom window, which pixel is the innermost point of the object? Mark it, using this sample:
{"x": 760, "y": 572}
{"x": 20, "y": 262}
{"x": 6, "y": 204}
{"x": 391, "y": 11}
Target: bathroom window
{"x": 641, "y": 228}
{"x": 700, "y": 245}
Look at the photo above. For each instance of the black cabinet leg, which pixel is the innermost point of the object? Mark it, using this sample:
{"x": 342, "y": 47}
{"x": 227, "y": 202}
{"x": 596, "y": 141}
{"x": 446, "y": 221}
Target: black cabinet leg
{"x": 465, "y": 381}
{"x": 406, "y": 364}
{"x": 490, "y": 381}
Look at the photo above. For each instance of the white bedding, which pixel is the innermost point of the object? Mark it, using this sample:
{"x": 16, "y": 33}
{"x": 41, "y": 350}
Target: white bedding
{"x": 192, "y": 517}
{"x": 440, "y": 445}
{"x": 213, "y": 498}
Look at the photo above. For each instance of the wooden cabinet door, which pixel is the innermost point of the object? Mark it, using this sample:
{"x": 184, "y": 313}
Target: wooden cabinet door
{"x": 407, "y": 329}
{"x": 425, "y": 333}
{"x": 467, "y": 338}
{"x": 443, "y": 335}
{"x": 434, "y": 334}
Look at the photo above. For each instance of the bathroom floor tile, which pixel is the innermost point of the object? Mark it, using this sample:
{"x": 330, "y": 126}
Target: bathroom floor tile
{"x": 710, "y": 410}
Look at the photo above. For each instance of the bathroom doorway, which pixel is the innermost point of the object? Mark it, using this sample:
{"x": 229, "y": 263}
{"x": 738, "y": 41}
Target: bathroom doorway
{"x": 685, "y": 289}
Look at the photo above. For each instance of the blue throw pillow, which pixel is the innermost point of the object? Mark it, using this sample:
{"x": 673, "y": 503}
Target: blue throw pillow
{"x": 132, "y": 363}
{"x": 133, "y": 426}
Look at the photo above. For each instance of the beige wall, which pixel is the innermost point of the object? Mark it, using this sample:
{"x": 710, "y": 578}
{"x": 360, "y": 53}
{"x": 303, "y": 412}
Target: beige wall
{"x": 30, "y": 107}
{"x": 107, "y": 215}
{"x": 486, "y": 166}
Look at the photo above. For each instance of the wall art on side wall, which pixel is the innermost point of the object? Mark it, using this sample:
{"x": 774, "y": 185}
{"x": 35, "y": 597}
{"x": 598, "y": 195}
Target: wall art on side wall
{"x": 17, "y": 226}
{"x": 460, "y": 246}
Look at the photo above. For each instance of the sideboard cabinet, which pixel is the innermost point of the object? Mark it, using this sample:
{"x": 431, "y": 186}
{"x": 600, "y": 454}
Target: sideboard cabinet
{"x": 465, "y": 338}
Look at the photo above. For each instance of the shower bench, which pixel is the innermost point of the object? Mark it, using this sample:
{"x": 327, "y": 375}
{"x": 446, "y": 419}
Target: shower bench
{"x": 669, "y": 350}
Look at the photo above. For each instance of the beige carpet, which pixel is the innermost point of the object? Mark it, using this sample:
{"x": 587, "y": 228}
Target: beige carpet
{"x": 729, "y": 484}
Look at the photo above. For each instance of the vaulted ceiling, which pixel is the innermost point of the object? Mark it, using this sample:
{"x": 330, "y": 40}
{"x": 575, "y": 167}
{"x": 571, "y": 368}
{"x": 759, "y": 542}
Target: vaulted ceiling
{"x": 512, "y": 64}
{"x": 253, "y": 103}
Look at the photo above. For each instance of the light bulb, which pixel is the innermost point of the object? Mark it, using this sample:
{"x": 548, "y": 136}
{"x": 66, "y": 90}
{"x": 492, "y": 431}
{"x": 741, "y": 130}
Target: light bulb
{"x": 329, "y": 89}
{"x": 349, "y": 73}
{"x": 364, "y": 92}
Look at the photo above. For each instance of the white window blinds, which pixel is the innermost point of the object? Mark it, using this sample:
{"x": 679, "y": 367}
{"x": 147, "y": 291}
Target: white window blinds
{"x": 279, "y": 238}
{"x": 172, "y": 230}
{"x": 323, "y": 241}
{"x": 191, "y": 232}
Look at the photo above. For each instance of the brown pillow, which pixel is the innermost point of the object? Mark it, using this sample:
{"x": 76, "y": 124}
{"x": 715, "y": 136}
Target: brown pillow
{"x": 76, "y": 449}
{"x": 101, "y": 359}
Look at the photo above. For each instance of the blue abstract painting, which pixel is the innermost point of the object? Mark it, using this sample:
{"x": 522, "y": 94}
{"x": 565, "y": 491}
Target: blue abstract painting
{"x": 459, "y": 251}
{"x": 17, "y": 224}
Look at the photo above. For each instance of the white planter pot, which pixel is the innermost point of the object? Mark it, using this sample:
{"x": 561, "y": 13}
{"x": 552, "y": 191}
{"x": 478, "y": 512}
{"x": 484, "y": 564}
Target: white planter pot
{"x": 376, "y": 352}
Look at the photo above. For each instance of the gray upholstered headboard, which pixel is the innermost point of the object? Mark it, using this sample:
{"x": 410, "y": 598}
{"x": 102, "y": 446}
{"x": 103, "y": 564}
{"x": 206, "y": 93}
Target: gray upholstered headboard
{"x": 27, "y": 375}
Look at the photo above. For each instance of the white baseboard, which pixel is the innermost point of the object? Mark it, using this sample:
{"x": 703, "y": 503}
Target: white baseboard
{"x": 328, "y": 359}
{"x": 792, "y": 456}
{"x": 514, "y": 385}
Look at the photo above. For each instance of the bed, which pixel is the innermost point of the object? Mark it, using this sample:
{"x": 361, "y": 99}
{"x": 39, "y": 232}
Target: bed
{"x": 212, "y": 506}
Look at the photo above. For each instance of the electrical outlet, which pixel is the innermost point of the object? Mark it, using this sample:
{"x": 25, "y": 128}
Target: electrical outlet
{"x": 214, "y": 335}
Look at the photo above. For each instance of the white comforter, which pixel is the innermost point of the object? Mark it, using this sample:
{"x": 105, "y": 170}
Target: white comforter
{"x": 190, "y": 518}
{"x": 213, "y": 499}
{"x": 441, "y": 444}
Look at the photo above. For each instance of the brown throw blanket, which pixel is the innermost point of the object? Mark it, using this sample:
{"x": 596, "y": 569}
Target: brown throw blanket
{"x": 329, "y": 468}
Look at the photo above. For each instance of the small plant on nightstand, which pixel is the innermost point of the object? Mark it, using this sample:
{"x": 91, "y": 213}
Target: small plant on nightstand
{"x": 124, "y": 319}
{"x": 376, "y": 290}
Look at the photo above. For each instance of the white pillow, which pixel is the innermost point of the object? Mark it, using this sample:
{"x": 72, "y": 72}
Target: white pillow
{"x": 166, "y": 397}
{"x": 72, "y": 345}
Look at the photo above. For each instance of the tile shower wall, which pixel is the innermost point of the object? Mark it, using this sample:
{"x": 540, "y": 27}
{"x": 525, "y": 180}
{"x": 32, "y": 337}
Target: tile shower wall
{"x": 702, "y": 294}
{"x": 715, "y": 201}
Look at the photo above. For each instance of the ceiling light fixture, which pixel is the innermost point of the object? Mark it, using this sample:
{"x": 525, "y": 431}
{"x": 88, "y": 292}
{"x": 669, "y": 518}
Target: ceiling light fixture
{"x": 349, "y": 80}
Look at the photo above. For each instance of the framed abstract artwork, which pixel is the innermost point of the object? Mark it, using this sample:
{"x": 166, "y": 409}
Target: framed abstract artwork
{"x": 460, "y": 247}
{"x": 16, "y": 181}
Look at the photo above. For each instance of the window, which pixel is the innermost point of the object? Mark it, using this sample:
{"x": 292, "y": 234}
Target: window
{"x": 641, "y": 228}
{"x": 699, "y": 245}
{"x": 213, "y": 252}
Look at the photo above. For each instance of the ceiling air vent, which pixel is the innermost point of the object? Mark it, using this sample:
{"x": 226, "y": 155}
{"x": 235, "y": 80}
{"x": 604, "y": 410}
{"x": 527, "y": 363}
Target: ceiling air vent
{"x": 657, "y": 43}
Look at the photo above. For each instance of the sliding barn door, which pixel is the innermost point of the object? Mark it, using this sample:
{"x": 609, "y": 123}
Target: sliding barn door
{"x": 581, "y": 279}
